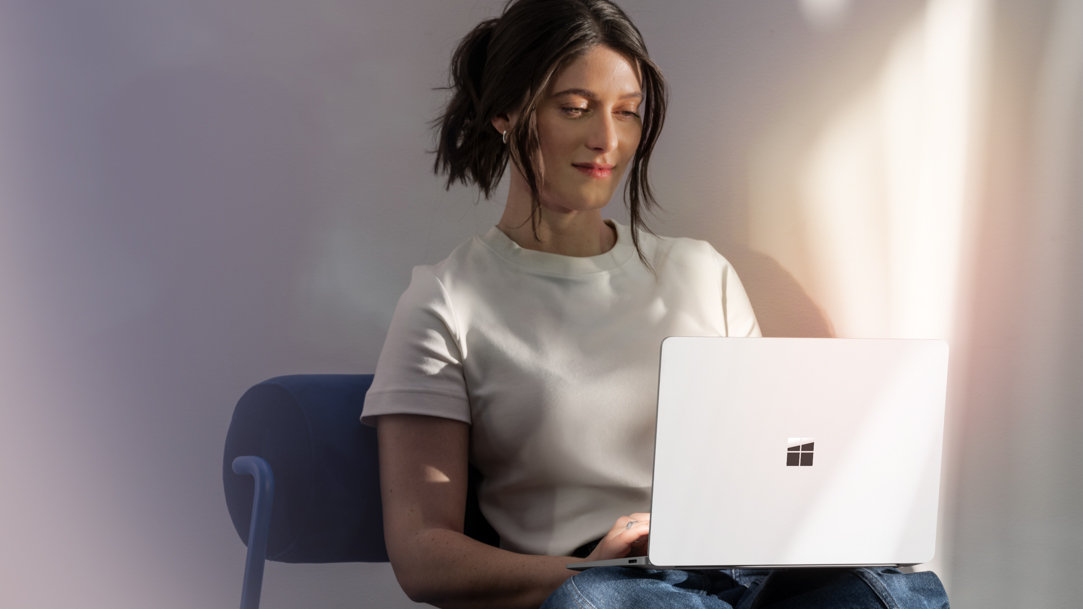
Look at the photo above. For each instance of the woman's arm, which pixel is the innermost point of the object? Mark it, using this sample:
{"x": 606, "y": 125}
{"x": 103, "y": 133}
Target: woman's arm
{"x": 423, "y": 472}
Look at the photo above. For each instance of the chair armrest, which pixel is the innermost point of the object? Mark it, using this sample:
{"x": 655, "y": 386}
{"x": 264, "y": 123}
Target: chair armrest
{"x": 263, "y": 500}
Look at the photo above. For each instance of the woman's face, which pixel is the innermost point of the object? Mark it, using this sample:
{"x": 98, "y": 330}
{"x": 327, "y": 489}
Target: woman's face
{"x": 589, "y": 128}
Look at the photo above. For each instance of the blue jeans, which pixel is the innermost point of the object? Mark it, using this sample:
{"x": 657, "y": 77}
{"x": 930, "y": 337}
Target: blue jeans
{"x": 865, "y": 588}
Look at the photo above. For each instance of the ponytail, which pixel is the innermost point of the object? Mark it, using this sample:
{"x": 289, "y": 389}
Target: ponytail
{"x": 469, "y": 150}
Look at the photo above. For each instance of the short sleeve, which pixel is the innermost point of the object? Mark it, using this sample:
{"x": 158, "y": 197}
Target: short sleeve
{"x": 737, "y": 308}
{"x": 420, "y": 367}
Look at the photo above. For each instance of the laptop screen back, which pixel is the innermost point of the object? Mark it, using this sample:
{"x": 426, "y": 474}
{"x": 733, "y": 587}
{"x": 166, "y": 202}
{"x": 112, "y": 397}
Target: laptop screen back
{"x": 797, "y": 452}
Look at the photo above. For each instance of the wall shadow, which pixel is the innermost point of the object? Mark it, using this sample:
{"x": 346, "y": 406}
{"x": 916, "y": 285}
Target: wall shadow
{"x": 782, "y": 306}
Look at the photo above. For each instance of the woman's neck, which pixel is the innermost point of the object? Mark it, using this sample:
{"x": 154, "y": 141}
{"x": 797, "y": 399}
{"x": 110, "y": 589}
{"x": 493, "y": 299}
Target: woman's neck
{"x": 578, "y": 233}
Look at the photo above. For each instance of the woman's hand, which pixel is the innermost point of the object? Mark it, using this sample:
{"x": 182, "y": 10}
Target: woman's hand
{"x": 628, "y": 537}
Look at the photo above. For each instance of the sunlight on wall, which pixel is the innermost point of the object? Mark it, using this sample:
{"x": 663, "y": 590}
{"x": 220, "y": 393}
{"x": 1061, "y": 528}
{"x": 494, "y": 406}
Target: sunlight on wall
{"x": 865, "y": 188}
{"x": 824, "y": 14}
{"x": 878, "y": 203}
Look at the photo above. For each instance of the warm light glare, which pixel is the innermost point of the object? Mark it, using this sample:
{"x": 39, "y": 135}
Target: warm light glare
{"x": 435, "y": 475}
{"x": 824, "y": 14}
{"x": 882, "y": 192}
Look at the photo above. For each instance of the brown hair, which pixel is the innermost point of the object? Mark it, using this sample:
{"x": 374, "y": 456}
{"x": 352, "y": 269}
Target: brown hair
{"x": 504, "y": 65}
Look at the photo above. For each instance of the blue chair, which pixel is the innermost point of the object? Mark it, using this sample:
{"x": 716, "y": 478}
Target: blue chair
{"x": 301, "y": 476}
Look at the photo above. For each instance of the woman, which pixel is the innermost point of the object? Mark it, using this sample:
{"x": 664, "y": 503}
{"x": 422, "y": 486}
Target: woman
{"x": 531, "y": 352}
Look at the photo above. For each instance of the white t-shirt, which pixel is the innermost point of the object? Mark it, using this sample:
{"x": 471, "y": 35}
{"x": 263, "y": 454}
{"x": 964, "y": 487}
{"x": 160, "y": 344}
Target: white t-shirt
{"x": 553, "y": 361}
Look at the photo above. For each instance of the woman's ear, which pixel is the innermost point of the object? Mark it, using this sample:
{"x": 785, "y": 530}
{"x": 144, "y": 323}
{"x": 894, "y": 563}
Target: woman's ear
{"x": 502, "y": 124}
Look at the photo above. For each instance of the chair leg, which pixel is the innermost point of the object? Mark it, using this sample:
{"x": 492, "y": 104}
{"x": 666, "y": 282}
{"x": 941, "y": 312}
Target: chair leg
{"x": 258, "y": 530}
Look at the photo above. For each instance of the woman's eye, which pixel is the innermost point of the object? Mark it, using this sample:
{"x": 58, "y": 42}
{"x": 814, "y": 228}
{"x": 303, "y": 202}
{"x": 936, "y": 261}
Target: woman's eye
{"x": 573, "y": 111}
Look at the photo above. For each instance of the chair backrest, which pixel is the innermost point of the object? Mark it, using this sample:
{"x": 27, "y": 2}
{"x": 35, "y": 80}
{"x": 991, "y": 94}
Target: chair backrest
{"x": 326, "y": 473}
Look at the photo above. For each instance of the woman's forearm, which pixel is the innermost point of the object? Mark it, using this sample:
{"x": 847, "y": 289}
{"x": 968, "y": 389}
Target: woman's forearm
{"x": 423, "y": 475}
{"x": 452, "y": 571}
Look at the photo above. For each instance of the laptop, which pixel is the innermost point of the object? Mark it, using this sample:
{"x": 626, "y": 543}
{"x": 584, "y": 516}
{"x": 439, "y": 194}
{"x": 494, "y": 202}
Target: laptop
{"x": 795, "y": 452}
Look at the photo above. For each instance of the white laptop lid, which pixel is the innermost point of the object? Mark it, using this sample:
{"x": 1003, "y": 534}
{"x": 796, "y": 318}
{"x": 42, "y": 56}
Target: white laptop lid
{"x": 797, "y": 452}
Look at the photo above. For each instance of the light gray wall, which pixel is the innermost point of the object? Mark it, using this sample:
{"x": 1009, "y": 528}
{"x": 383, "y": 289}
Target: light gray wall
{"x": 198, "y": 195}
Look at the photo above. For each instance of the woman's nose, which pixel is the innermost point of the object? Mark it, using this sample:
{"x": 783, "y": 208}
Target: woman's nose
{"x": 603, "y": 135}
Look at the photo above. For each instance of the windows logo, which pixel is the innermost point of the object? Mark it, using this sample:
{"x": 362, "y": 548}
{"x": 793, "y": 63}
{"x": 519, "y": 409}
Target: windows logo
{"x": 799, "y": 452}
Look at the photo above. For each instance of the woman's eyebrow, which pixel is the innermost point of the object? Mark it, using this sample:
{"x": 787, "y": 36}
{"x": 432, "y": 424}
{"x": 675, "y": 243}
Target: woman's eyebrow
{"x": 588, "y": 94}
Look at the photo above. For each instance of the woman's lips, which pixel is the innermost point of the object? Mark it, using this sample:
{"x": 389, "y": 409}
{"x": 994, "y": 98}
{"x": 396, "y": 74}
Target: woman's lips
{"x": 594, "y": 170}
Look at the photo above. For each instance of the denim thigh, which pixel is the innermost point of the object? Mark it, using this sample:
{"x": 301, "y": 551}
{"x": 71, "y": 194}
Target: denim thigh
{"x": 864, "y": 588}
{"x": 622, "y": 587}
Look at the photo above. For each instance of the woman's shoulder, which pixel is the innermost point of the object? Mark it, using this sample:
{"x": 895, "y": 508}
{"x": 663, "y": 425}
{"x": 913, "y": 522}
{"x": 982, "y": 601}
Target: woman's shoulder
{"x": 667, "y": 249}
{"x": 468, "y": 264}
